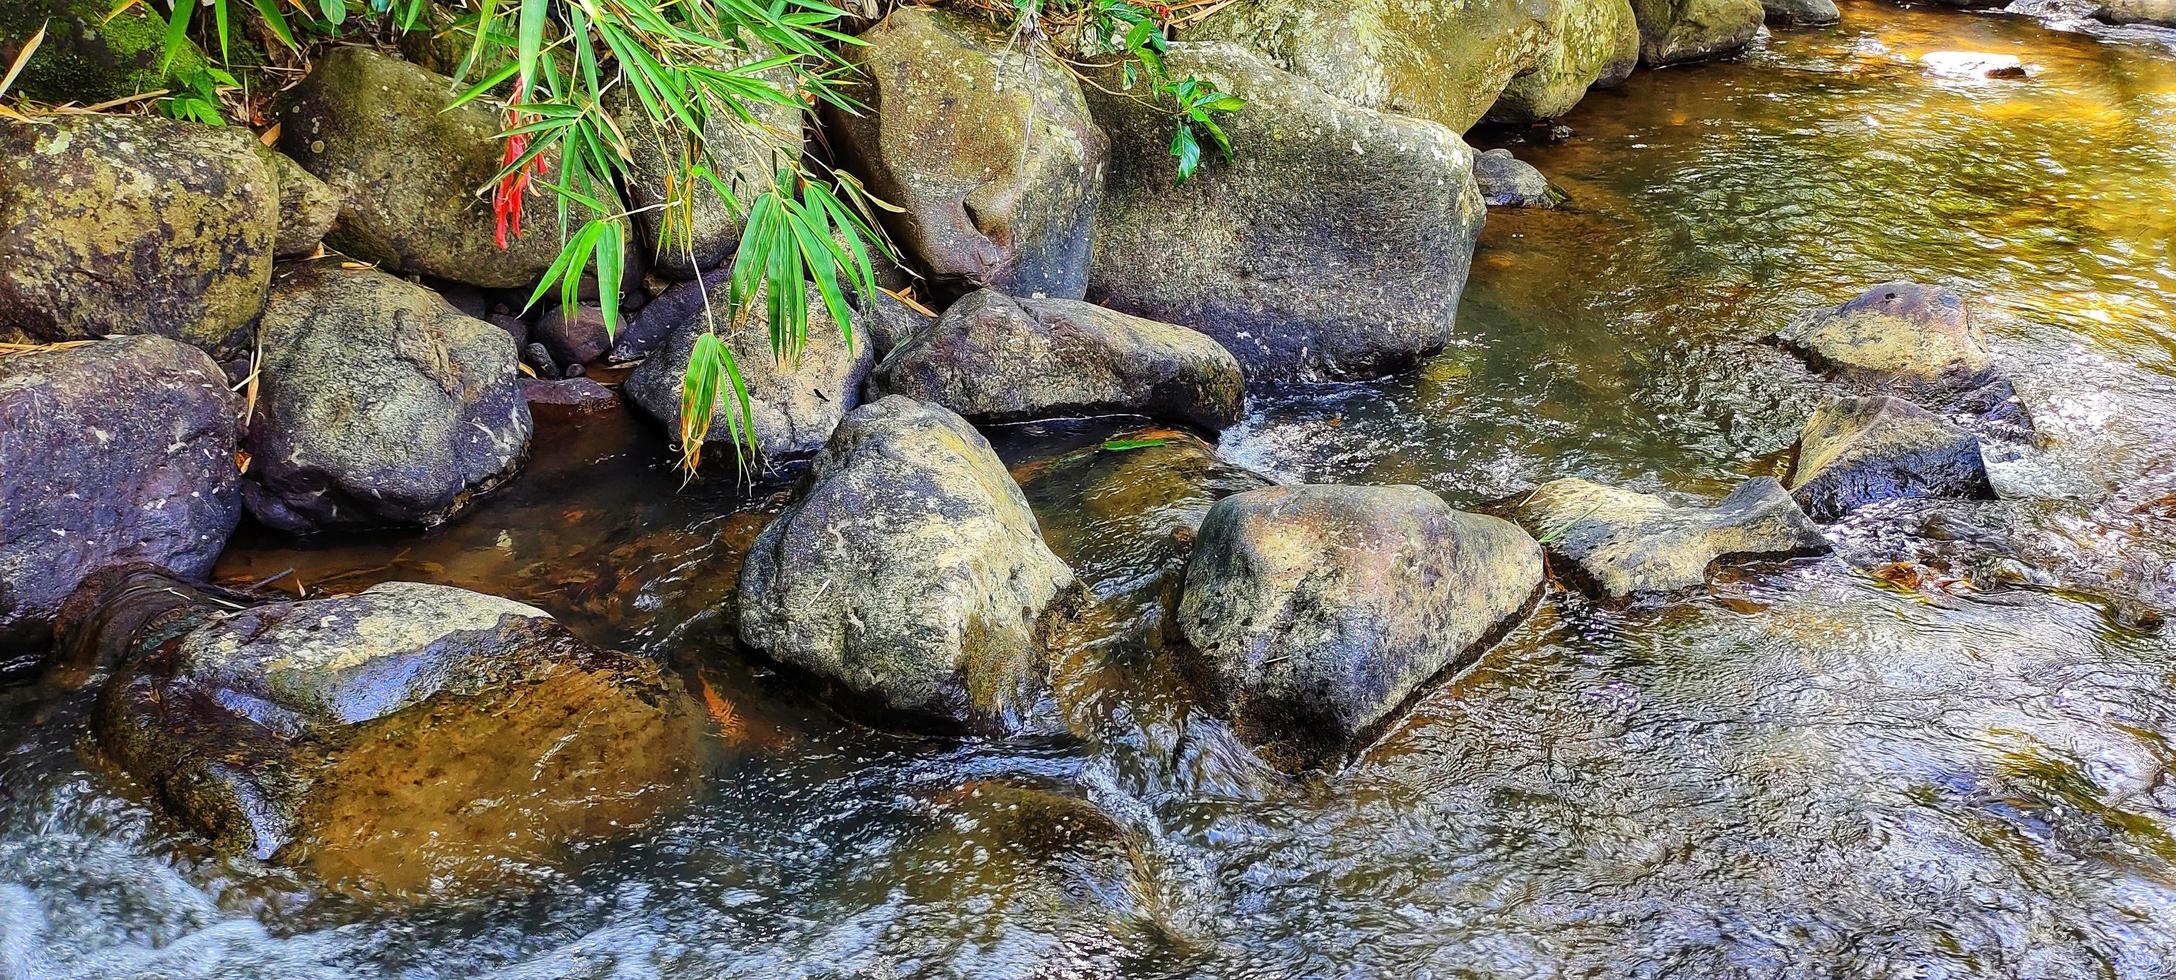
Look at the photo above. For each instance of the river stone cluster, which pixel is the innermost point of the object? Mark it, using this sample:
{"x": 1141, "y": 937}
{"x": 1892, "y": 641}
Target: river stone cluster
{"x": 407, "y": 733}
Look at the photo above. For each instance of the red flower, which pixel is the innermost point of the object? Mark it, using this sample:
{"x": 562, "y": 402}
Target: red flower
{"x": 506, "y": 198}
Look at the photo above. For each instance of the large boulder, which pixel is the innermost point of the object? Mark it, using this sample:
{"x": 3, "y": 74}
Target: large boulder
{"x": 1315, "y": 613}
{"x": 1334, "y": 246}
{"x": 408, "y": 171}
{"x": 404, "y": 740}
{"x": 910, "y": 577}
{"x": 991, "y": 357}
{"x": 707, "y": 229}
{"x": 1673, "y": 31}
{"x": 92, "y": 52}
{"x": 986, "y": 146}
{"x": 1443, "y": 62}
{"x": 1616, "y": 543}
{"x": 378, "y": 404}
{"x": 111, "y": 452}
{"x": 1859, "y": 451}
{"x": 134, "y": 225}
{"x": 795, "y": 402}
{"x": 1802, "y": 13}
{"x": 1598, "y": 47}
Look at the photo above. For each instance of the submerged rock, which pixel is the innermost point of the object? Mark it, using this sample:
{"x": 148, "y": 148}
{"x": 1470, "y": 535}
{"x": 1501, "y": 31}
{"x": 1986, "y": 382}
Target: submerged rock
{"x": 94, "y": 51}
{"x": 1508, "y": 182}
{"x": 404, "y": 740}
{"x": 910, "y": 577}
{"x": 1673, "y": 31}
{"x": 1315, "y": 613}
{"x": 1803, "y": 13}
{"x": 795, "y": 402}
{"x": 407, "y": 168}
{"x": 1335, "y": 246}
{"x": 1858, "y": 451}
{"x": 1911, "y": 339}
{"x": 993, "y": 357}
{"x": 111, "y": 452}
{"x": 985, "y": 144}
{"x": 1599, "y": 48}
{"x": 378, "y": 404}
{"x": 1616, "y": 543}
{"x": 134, "y": 225}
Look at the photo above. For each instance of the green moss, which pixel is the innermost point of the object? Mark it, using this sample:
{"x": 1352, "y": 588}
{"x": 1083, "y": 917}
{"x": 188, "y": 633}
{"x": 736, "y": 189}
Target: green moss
{"x": 86, "y": 58}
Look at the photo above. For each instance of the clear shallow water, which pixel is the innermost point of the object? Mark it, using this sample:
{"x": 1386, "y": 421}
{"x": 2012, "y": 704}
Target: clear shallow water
{"x": 1807, "y": 771}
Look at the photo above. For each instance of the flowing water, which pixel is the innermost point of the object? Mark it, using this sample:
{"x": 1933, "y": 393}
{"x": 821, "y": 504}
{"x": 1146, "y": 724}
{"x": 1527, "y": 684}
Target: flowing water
{"x": 1942, "y": 752}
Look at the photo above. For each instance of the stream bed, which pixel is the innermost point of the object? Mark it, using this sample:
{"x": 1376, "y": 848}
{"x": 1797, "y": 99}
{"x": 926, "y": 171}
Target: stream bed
{"x": 1943, "y": 751}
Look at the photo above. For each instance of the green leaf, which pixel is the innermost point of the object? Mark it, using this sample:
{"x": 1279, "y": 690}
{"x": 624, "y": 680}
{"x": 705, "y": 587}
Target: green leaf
{"x": 529, "y": 40}
{"x": 1124, "y": 445}
{"x": 1187, "y": 149}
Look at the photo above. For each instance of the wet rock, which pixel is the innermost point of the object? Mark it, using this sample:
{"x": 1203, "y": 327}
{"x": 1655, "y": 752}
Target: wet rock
{"x": 134, "y": 224}
{"x": 1315, "y": 613}
{"x": 377, "y": 130}
{"x": 1616, "y": 543}
{"x": 680, "y": 302}
{"x": 910, "y": 577}
{"x": 577, "y": 339}
{"x": 1509, "y": 182}
{"x": 796, "y": 403}
{"x": 539, "y": 359}
{"x": 1803, "y": 13}
{"x": 1599, "y": 48}
{"x": 1446, "y": 63}
{"x": 1910, "y": 339}
{"x": 987, "y": 146}
{"x": 1858, "y": 451}
{"x": 567, "y": 399}
{"x": 111, "y": 452}
{"x": 404, "y": 740}
{"x": 708, "y": 227}
{"x": 378, "y": 405}
{"x": 1383, "y": 206}
{"x": 991, "y": 357}
{"x": 308, "y": 208}
{"x": 92, "y": 52}
{"x": 2161, "y": 12}
{"x": 1673, "y": 31}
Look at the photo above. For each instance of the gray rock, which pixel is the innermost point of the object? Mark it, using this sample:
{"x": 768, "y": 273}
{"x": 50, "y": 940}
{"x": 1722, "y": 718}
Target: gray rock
{"x": 577, "y": 339}
{"x": 1673, "y": 31}
{"x": 1802, "y": 13}
{"x": 406, "y": 168}
{"x": 309, "y": 208}
{"x": 567, "y": 399}
{"x": 1616, "y": 543}
{"x": 984, "y": 143}
{"x": 405, "y": 740}
{"x": 111, "y": 452}
{"x": 991, "y": 357}
{"x": 889, "y": 322}
{"x": 1859, "y": 451}
{"x": 378, "y": 405}
{"x": 910, "y": 577}
{"x": 1316, "y": 613}
{"x": 134, "y": 225}
{"x": 2161, "y": 12}
{"x": 1335, "y": 246}
{"x": 1913, "y": 340}
{"x": 796, "y": 402}
{"x": 1508, "y": 182}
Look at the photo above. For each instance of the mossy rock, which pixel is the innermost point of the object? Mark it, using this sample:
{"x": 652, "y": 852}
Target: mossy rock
{"x": 134, "y": 225}
{"x": 86, "y": 57}
{"x": 1598, "y": 46}
{"x": 1673, "y": 31}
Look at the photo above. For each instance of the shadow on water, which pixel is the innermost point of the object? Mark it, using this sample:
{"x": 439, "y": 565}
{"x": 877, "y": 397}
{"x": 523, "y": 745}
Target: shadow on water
{"x": 1824, "y": 768}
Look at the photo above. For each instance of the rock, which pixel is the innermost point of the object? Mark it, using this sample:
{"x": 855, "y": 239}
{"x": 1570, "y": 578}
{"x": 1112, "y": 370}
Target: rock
{"x": 910, "y": 576}
{"x": 1509, "y": 182}
{"x": 1446, "y": 63}
{"x": 1615, "y": 543}
{"x": 991, "y": 357}
{"x": 796, "y": 402}
{"x": 1802, "y": 13}
{"x": 1910, "y": 339}
{"x": 889, "y": 322}
{"x": 1673, "y": 31}
{"x": 987, "y": 146}
{"x": 540, "y": 360}
{"x": 111, "y": 452}
{"x": 308, "y": 208}
{"x": 1599, "y": 48}
{"x": 1315, "y": 613}
{"x": 2161, "y": 12}
{"x": 404, "y": 740}
{"x": 648, "y": 327}
{"x": 709, "y": 227}
{"x": 377, "y": 130}
{"x": 1382, "y": 206}
{"x": 92, "y": 52}
{"x": 567, "y": 399}
{"x": 516, "y": 328}
{"x": 577, "y": 339}
{"x": 1858, "y": 451}
{"x": 134, "y": 224}
{"x": 378, "y": 405}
